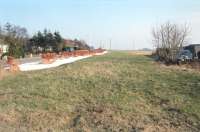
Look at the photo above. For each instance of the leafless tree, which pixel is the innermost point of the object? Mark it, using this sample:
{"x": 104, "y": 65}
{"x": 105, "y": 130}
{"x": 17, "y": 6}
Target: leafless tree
{"x": 15, "y": 37}
{"x": 15, "y": 34}
{"x": 169, "y": 39}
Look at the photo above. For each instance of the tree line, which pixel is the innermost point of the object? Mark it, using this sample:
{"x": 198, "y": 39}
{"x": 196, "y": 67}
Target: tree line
{"x": 20, "y": 43}
{"x": 45, "y": 41}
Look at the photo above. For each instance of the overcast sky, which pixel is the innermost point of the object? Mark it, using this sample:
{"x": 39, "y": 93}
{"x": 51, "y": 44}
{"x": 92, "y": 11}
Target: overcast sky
{"x": 127, "y": 23}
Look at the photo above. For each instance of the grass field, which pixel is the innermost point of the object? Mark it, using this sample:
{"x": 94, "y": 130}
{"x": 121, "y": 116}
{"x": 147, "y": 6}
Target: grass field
{"x": 115, "y": 92}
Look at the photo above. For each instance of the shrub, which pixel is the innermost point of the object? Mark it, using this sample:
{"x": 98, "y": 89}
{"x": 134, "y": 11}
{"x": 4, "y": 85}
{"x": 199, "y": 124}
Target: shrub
{"x": 16, "y": 51}
{"x": 169, "y": 40}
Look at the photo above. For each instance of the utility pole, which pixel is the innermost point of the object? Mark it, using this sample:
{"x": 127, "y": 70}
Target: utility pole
{"x": 110, "y": 44}
{"x": 101, "y": 44}
{"x": 133, "y": 45}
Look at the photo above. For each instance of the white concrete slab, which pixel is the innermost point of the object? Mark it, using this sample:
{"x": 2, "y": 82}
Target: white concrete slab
{"x": 38, "y": 65}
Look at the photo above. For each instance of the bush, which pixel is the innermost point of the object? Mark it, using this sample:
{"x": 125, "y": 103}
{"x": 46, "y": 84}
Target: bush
{"x": 4, "y": 54}
{"x": 169, "y": 40}
{"x": 16, "y": 51}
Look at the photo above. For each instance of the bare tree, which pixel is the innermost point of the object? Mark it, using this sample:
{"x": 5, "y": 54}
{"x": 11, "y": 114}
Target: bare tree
{"x": 15, "y": 37}
{"x": 169, "y": 39}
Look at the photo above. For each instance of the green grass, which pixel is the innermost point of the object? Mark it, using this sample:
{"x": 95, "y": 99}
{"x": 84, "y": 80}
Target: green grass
{"x": 114, "y": 92}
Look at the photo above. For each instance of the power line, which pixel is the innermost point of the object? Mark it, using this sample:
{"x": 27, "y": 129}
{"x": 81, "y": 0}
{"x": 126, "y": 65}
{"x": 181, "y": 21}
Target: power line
{"x": 110, "y": 44}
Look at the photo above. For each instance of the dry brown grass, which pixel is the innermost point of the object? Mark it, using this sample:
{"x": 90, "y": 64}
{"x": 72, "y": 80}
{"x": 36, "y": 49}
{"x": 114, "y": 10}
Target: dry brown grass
{"x": 14, "y": 69}
{"x": 140, "y": 52}
{"x": 10, "y": 118}
{"x": 115, "y": 92}
{"x": 107, "y": 118}
{"x": 3, "y": 73}
{"x": 192, "y": 67}
{"x": 105, "y": 69}
{"x": 39, "y": 120}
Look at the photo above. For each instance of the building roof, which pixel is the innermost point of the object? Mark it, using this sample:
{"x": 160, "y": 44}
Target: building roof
{"x": 192, "y": 45}
{"x": 69, "y": 43}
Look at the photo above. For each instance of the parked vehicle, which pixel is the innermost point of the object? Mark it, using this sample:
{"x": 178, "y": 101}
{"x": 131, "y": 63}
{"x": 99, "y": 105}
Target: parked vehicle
{"x": 194, "y": 49}
{"x": 184, "y": 55}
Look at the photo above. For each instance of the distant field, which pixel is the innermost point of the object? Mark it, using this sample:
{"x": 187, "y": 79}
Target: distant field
{"x": 120, "y": 91}
{"x": 140, "y": 52}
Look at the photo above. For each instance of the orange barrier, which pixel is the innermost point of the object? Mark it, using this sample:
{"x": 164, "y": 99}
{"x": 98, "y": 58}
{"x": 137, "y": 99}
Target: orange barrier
{"x": 65, "y": 54}
{"x": 10, "y": 60}
{"x": 48, "y": 58}
{"x": 81, "y": 52}
{"x": 13, "y": 64}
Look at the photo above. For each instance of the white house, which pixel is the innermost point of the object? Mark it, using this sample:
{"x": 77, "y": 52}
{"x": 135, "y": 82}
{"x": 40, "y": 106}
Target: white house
{"x": 3, "y": 48}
